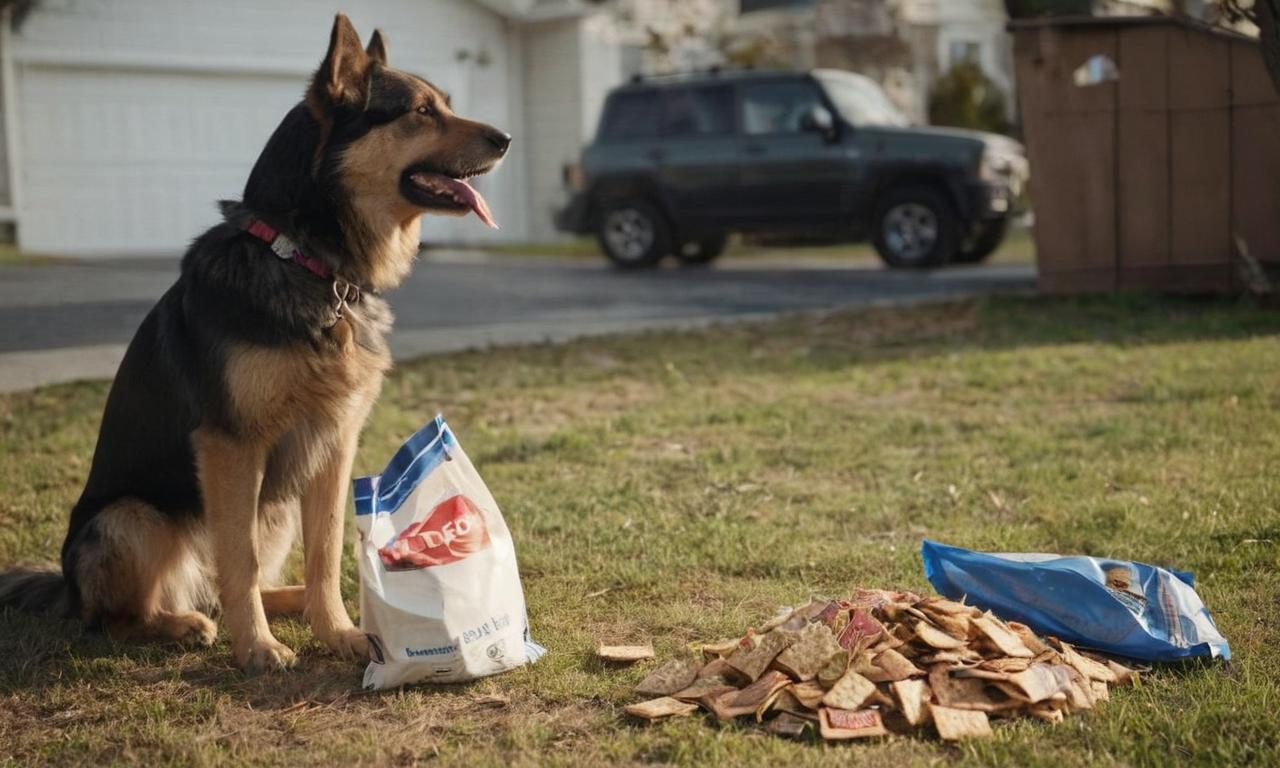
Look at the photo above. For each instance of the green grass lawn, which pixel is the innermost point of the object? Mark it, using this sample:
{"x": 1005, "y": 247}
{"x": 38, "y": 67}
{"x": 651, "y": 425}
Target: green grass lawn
{"x": 703, "y": 479}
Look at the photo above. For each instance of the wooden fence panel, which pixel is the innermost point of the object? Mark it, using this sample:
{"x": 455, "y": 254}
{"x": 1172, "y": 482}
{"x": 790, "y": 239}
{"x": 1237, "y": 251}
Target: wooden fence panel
{"x": 1143, "y": 152}
{"x": 1255, "y": 154}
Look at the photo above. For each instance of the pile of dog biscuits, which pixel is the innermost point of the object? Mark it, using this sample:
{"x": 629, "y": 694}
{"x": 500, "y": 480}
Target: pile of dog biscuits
{"x": 882, "y": 662}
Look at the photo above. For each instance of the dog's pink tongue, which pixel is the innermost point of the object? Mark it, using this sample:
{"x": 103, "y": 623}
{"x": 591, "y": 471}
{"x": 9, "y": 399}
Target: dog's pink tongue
{"x": 472, "y": 197}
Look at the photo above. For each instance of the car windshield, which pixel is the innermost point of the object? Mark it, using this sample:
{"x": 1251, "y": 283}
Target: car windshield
{"x": 859, "y": 100}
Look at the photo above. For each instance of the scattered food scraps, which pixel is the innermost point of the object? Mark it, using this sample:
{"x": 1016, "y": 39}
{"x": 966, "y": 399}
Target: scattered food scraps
{"x": 881, "y": 662}
{"x": 624, "y": 654}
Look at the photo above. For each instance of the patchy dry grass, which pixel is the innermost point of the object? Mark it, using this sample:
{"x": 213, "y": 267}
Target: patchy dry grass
{"x": 704, "y": 479}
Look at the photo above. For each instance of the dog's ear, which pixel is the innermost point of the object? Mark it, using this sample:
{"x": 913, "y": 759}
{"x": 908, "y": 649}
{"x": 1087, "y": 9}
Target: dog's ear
{"x": 377, "y": 50}
{"x": 342, "y": 79}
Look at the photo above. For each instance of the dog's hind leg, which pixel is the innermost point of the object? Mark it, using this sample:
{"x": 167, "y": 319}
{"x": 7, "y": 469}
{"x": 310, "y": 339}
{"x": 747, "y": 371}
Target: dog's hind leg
{"x": 133, "y": 569}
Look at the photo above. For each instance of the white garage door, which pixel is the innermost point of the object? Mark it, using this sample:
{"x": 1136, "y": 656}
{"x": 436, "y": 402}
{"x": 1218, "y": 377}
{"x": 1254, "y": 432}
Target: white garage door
{"x": 120, "y": 162}
{"x": 133, "y": 162}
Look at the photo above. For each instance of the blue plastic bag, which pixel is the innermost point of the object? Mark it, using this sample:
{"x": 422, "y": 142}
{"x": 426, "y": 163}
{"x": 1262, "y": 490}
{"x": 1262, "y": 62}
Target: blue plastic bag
{"x": 1115, "y": 606}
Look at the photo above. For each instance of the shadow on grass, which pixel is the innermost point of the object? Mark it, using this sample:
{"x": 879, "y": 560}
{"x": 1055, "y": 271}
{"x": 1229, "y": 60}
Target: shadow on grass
{"x": 39, "y": 652}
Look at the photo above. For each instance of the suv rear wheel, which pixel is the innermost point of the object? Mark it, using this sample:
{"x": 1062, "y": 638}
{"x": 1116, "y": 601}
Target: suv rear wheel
{"x": 702, "y": 250}
{"x": 633, "y": 234}
{"x": 915, "y": 228}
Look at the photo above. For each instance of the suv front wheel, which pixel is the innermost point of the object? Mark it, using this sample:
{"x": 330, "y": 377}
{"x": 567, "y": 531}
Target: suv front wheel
{"x": 633, "y": 234}
{"x": 916, "y": 228}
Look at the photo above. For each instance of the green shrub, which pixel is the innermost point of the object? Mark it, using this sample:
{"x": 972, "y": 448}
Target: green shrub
{"x": 965, "y": 97}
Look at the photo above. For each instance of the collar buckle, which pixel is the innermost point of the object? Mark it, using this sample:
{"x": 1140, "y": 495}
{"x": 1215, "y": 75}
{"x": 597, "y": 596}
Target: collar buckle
{"x": 344, "y": 295}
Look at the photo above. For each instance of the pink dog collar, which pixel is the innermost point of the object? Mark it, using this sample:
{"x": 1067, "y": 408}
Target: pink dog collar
{"x": 283, "y": 247}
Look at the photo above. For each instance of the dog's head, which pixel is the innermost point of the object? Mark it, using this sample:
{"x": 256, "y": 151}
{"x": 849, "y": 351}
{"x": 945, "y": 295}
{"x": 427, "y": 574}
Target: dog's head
{"x": 398, "y": 144}
{"x": 369, "y": 150}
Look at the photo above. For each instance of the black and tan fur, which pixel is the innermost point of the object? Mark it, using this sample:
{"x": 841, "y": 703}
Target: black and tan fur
{"x": 233, "y": 420}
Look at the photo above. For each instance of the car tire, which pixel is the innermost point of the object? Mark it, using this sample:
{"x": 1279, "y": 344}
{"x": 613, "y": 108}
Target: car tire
{"x": 916, "y": 228}
{"x": 633, "y": 234}
{"x": 702, "y": 250}
{"x": 988, "y": 238}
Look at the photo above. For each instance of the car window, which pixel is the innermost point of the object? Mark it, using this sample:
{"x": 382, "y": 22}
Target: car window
{"x": 860, "y": 100}
{"x": 698, "y": 111}
{"x": 778, "y": 107}
{"x": 632, "y": 115}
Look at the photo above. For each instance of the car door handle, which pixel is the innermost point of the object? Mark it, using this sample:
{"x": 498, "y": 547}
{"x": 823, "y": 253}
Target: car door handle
{"x": 754, "y": 149}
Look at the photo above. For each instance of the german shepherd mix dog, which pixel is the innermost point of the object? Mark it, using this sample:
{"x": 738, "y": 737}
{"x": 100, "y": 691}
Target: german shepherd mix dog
{"x": 236, "y": 411}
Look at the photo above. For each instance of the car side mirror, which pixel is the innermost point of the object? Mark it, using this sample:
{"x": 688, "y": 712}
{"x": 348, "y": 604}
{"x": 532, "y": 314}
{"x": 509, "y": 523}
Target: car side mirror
{"x": 819, "y": 120}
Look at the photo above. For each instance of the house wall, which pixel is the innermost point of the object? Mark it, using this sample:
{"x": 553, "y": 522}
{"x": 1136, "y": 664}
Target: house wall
{"x": 136, "y": 115}
{"x": 553, "y": 114}
{"x": 570, "y": 64}
{"x": 6, "y": 195}
{"x": 905, "y": 45}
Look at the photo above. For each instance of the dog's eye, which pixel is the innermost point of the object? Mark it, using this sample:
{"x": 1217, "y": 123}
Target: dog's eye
{"x": 426, "y": 110}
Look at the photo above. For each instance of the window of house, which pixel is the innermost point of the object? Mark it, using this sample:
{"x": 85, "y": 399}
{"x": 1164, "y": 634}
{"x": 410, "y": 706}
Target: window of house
{"x": 963, "y": 51}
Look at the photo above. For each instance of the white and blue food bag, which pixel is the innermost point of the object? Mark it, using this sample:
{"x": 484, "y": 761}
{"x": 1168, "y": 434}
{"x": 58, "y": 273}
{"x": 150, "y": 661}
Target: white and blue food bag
{"x": 440, "y": 594}
{"x": 1119, "y": 607}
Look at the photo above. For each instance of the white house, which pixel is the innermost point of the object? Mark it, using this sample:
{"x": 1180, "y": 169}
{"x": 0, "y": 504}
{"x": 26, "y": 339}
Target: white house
{"x": 905, "y": 44}
{"x": 125, "y": 120}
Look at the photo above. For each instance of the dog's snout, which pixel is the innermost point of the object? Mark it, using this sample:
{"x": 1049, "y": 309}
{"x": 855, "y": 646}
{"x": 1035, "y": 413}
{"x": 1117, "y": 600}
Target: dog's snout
{"x": 499, "y": 139}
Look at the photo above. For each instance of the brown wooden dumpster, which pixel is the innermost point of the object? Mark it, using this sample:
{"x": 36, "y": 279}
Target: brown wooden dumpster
{"x": 1145, "y": 182}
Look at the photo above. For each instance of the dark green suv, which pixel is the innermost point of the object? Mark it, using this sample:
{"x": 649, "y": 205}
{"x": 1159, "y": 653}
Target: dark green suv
{"x": 678, "y": 163}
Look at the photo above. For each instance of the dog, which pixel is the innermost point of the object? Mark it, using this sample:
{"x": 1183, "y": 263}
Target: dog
{"x": 233, "y": 420}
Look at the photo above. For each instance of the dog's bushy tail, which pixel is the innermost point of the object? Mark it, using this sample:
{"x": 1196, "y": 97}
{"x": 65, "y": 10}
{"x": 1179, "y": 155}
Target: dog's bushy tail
{"x": 36, "y": 589}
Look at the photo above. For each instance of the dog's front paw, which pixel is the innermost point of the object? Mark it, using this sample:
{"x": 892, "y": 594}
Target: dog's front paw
{"x": 347, "y": 643}
{"x": 266, "y": 655}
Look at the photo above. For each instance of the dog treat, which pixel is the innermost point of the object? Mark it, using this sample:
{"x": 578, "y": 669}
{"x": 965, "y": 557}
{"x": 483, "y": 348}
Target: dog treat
{"x": 850, "y": 692}
{"x": 787, "y": 724}
{"x": 746, "y": 701}
{"x": 669, "y": 678}
{"x": 886, "y": 661}
{"x": 624, "y": 654}
{"x": 705, "y": 687}
{"x": 753, "y": 660}
{"x": 836, "y": 724}
{"x": 913, "y": 698}
{"x": 956, "y": 724}
{"x": 813, "y": 649}
{"x": 655, "y": 709}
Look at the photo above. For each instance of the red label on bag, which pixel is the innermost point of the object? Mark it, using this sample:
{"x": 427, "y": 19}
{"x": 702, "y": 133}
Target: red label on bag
{"x": 454, "y": 530}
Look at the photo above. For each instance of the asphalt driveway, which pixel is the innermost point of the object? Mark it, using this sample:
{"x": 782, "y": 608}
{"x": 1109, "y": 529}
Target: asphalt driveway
{"x": 71, "y": 320}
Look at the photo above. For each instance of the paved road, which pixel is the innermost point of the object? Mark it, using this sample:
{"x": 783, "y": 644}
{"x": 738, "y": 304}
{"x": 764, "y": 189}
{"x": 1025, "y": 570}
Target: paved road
{"x": 71, "y": 320}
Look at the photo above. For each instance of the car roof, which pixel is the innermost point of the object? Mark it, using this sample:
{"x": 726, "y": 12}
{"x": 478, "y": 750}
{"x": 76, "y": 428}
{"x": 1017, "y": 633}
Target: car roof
{"x": 706, "y": 78}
